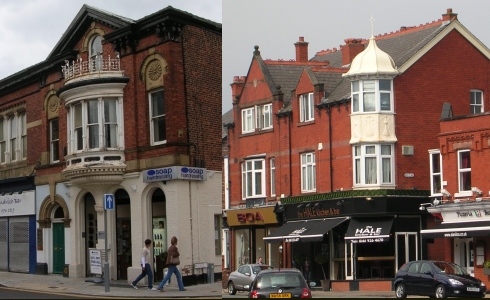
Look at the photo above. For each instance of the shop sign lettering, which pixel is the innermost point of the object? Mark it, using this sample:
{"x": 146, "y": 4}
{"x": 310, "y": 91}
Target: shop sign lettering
{"x": 249, "y": 217}
{"x": 368, "y": 231}
{"x": 317, "y": 212}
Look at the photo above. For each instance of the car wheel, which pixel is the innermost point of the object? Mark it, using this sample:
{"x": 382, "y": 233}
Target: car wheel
{"x": 440, "y": 291}
{"x": 231, "y": 288}
{"x": 400, "y": 291}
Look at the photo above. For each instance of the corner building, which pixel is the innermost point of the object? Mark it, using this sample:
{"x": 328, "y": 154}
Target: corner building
{"x": 117, "y": 104}
{"x": 338, "y": 144}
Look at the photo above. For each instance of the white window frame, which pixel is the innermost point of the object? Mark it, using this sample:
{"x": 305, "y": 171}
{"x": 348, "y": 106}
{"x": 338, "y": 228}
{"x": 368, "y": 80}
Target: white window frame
{"x": 463, "y": 170}
{"x": 474, "y": 106}
{"x": 54, "y": 141}
{"x": 248, "y": 120}
{"x": 253, "y": 178}
{"x": 3, "y": 140}
{"x": 264, "y": 113}
{"x": 96, "y": 51}
{"x": 15, "y": 138}
{"x": 308, "y": 172}
{"x": 360, "y": 156}
{"x": 80, "y": 133}
{"x": 272, "y": 166}
{"x": 435, "y": 185}
{"x": 306, "y": 107}
{"x": 155, "y": 118}
{"x": 361, "y": 88}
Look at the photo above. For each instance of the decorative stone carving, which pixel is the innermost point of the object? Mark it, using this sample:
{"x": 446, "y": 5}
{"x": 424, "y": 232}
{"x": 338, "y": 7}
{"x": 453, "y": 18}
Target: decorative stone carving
{"x": 375, "y": 128}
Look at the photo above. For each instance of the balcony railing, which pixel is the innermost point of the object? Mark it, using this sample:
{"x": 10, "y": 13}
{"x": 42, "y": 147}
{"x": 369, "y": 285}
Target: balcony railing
{"x": 94, "y": 65}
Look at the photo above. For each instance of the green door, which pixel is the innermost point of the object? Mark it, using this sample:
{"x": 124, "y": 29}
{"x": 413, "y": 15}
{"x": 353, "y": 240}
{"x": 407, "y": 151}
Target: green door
{"x": 58, "y": 247}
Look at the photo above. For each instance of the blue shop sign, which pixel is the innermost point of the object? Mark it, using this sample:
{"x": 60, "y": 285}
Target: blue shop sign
{"x": 175, "y": 172}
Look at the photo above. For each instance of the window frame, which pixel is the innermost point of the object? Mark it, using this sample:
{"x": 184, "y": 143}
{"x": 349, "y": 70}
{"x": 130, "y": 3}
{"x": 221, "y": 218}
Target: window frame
{"x": 153, "y": 118}
{"x": 464, "y": 170}
{"x": 79, "y": 133}
{"x": 308, "y": 172}
{"x": 264, "y": 116}
{"x": 435, "y": 187}
{"x": 473, "y": 106}
{"x": 15, "y": 138}
{"x": 248, "y": 120}
{"x": 217, "y": 234}
{"x": 54, "y": 142}
{"x": 359, "y": 91}
{"x": 360, "y": 156}
{"x": 306, "y": 107}
{"x": 252, "y": 192}
{"x": 272, "y": 168}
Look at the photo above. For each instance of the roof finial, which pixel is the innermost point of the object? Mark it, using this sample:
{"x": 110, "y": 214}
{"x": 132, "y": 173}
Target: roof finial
{"x": 372, "y": 26}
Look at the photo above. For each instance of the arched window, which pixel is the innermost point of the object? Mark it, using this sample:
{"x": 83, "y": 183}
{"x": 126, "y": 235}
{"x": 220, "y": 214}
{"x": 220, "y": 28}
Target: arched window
{"x": 96, "y": 53}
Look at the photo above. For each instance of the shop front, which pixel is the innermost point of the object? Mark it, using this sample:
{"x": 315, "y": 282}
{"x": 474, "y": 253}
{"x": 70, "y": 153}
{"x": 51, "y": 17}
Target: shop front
{"x": 18, "y": 225}
{"x": 465, "y": 229}
{"x": 350, "y": 244}
{"x": 248, "y": 227}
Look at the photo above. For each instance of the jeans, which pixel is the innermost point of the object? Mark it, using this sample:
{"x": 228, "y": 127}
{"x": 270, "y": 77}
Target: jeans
{"x": 146, "y": 271}
{"x": 172, "y": 269}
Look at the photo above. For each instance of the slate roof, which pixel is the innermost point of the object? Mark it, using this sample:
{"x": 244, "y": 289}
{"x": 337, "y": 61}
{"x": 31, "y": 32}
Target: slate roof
{"x": 226, "y": 118}
{"x": 287, "y": 77}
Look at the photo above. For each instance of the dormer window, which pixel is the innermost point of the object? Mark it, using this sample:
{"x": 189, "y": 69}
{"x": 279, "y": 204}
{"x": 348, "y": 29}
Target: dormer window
{"x": 476, "y": 102}
{"x": 372, "y": 95}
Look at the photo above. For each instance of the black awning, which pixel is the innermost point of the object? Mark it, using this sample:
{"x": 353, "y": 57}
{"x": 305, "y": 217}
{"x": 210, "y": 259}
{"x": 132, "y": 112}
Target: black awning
{"x": 305, "y": 231}
{"x": 369, "y": 230}
{"x": 462, "y": 229}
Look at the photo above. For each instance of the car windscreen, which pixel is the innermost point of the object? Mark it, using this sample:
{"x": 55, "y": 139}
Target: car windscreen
{"x": 449, "y": 268}
{"x": 280, "y": 280}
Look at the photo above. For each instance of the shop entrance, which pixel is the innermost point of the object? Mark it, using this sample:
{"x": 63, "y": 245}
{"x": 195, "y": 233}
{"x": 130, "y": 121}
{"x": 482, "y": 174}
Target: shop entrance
{"x": 406, "y": 248}
{"x": 159, "y": 226}
{"x": 90, "y": 229}
{"x": 123, "y": 230}
{"x": 463, "y": 254}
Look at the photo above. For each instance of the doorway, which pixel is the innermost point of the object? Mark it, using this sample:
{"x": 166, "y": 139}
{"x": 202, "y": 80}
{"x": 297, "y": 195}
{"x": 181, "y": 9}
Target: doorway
{"x": 406, "y": 248}
{"x": 58, "y": 241}
{"x": 159, "y": 228}
{"x": 123, "y": 228}
{"x": 463, "y": 254}
{"x": 90, "y": 229}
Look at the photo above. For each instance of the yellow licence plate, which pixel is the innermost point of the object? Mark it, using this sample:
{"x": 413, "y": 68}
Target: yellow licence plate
{"x": 283, "y": 295}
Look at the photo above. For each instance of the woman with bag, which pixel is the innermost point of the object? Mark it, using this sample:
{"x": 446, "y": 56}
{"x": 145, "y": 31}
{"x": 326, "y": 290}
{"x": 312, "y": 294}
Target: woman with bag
{"x": 173, "y": 260}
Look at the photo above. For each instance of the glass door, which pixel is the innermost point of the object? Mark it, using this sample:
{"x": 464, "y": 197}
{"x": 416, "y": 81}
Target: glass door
{"x": 406, "y": 248}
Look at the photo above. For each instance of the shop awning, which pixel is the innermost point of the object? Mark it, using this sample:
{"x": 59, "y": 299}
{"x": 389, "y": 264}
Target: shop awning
{"x": 305, "y": 231}
{"x": 369, "y": 230}
{"x": 463, "y": 229}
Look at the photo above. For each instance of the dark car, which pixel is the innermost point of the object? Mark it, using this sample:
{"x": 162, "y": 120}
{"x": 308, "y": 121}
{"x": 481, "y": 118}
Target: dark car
{"x": 280, "y": 283}
{"x": 241, "y": 278}
{"x": 437, "y": 279}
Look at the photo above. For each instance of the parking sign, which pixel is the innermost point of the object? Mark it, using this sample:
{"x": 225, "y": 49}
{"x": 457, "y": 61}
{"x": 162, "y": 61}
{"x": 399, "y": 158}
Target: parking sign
{"x": 108, "y": 201}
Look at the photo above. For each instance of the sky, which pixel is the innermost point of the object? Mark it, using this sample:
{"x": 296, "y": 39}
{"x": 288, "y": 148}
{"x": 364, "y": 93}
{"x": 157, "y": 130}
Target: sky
{"x": 29, "y": 29}
{"x": 275, "y": 25}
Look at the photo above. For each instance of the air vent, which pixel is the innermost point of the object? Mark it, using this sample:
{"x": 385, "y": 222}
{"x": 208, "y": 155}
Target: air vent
{"x": 407, "y": 150}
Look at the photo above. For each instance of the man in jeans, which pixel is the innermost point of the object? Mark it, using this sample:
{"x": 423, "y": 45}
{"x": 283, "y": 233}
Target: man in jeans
{"x": 146, "y": 268}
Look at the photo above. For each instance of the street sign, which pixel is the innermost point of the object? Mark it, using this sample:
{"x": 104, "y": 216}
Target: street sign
{"x": 108, "y": 201}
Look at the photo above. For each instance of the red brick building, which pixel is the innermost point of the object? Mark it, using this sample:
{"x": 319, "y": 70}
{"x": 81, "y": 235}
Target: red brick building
{"x": 114, "y": 118}
{"x": 338, "y": 147}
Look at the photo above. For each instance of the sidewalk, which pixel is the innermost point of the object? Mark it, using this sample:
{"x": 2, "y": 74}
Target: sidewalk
{"x": 59, "y": 284}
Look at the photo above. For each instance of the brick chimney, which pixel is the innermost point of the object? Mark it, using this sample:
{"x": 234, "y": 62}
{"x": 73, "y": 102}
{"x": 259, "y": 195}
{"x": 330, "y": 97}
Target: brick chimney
{"x": 301, "y": 50}
{"x": 449, "y": 16}
{"x": 351, "y": 48}
{"x": 237, "y": 86}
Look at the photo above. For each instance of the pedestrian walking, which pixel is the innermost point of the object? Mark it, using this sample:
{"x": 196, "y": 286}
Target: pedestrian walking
{"x": 145, "y": 267}
{"x": 173, "y": 252}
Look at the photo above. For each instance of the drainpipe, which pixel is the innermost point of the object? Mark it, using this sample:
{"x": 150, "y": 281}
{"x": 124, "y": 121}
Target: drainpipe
{"x": 329, "y": 113}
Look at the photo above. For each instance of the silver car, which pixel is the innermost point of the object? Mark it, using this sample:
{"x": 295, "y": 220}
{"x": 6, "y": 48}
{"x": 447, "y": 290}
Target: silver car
{"x": 241, "y": 279}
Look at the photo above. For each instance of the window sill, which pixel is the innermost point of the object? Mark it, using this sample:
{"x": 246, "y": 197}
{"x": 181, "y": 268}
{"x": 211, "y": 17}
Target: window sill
{"x": 305, "y": 123}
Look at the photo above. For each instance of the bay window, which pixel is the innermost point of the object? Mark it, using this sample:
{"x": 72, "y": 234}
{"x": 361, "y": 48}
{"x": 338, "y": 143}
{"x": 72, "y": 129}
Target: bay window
{"x": 93, "y": 125}
{"x": 373, "y": 95}
{"x": 373, "y": 165}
